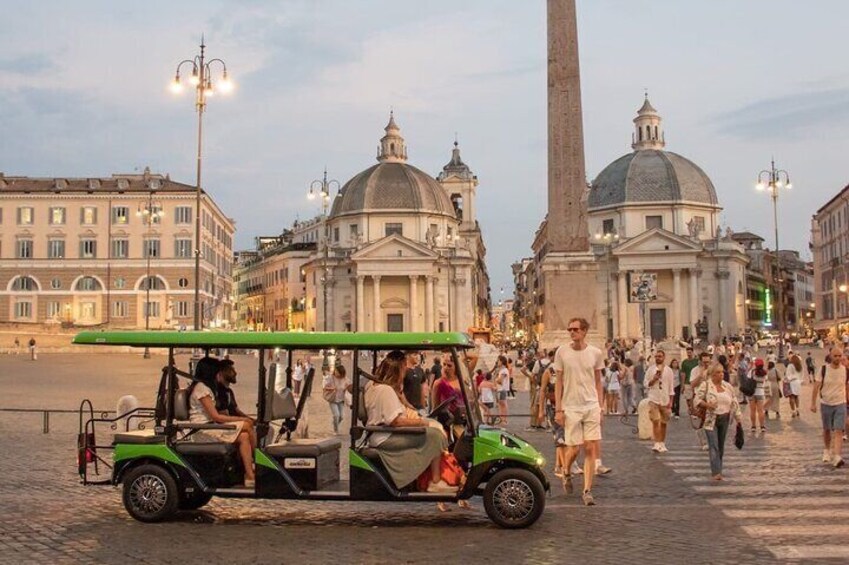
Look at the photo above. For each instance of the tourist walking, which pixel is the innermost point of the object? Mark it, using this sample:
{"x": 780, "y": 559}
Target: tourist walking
{"x": 687, "y": 365}
{"x": 33, "y": 355}
{"x": 720, "y": 403}
{"x": 773, "y": 392}
{"x": 627, "y": 382}
{"x": 502, "y": 381}
{"x": 613, "y": 388}
{"x": 535, "y": 378}
{"x": 830, "y": 392}
{"x": 676, "y": 388}
{"x": 640, "y": 378}
{"x": 659, "y": 379}
{"x": 699, "y": 375}
{"x": 578, "y": 397}
{"x": 334, "y": 392}
{"x": 793, "y": 378}
{"x": 756, "y": 402}
{"x": 298, "y": 376}
{"x": 809, "y": 364}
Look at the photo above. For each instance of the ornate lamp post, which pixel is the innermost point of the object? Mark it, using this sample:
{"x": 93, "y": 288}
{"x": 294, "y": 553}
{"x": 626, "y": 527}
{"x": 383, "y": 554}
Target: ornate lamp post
{"x": 201, "y": 80}
{"x": 772, "y": 180}
{"x": 608, "y": 240}
{"x": 151, "y": 213}
{"x": 321, "y": 189}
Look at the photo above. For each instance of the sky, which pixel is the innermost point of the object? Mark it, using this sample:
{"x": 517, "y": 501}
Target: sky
{"x": 83, "y": 92}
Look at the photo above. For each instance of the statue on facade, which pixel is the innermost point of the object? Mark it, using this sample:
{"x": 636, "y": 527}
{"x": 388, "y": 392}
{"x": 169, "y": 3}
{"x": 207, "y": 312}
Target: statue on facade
{"x": 693, "y": 228}
{"x": 430, "y": 236}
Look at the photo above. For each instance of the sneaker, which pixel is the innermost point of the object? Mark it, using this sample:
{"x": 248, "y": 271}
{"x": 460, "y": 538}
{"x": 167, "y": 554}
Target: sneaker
{"x": 588, "y": 498}
{"x": 763, "y": 429}
{"x": 441, "y": 487}
{"x": 576, "y": 470}
{"x": 705, "y": 447}
{"x": 753, "y": 430}
{"x": 602, "y": 470}
{"x": 826, "y": 456}
{"x": 656, "y": 447}
{"x": 567, "y": 484}
{"x": 558, "y": 472}
{"x": 837, "y": 462}
{"x": 662, "y": 448}
{"x": 676, "y": 416}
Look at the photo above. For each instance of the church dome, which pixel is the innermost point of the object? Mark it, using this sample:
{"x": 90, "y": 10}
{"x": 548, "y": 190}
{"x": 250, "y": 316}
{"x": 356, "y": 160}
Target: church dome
{"x": 392, "y": 184}
{"x": 651, "y": 174}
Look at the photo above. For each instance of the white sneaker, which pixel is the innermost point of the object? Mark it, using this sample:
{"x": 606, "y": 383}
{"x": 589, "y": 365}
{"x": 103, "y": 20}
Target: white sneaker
{"x": 656, "y": 447}
{"x": 662, "y": 448}
{"x": 705, "y": 447}
{"x": 827, "y": 456}
{"x": 576, "y": 470}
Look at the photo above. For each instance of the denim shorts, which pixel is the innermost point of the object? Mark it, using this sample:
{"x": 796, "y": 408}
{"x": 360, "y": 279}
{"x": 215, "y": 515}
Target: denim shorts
{"x": 833, "y": 417}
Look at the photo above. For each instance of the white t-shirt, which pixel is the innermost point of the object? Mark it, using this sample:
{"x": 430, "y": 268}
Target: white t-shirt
{"x": 723, "y": 399}
{"x": 505, "y": 379}
{"x": 487, "y": 395}
{"x": 298, "y": 373}
{"x": 197, "y": 414}
{"x": 382, "y": 407}
{"x": 579, "y": 383}
{"x": 660, "y": 391}
{"x": 613, "y": 381}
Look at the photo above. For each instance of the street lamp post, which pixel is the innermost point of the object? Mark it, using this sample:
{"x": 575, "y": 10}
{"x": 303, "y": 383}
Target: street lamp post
{"x": 201, "y": 79}
{"x": 608, "y": 240}
{"x": 321, "y": 189}
{"x": 151, "y": 213}
{"x": 773, "y": 180}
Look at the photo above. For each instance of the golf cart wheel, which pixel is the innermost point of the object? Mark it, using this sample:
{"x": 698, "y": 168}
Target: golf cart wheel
{"x": 514, "y": 498}
{"x": 150, "y": 493}
{"x": 194, "y": 500}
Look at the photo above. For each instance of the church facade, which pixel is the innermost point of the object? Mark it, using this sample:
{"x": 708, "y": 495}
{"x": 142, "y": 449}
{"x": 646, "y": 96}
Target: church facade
{"x": 402, "y": 250}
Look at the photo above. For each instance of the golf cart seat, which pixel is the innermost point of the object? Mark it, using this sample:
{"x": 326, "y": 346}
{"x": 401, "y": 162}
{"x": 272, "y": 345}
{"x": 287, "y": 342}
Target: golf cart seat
{"x": 304, "y": 447}
{"x": 138, "y": 437}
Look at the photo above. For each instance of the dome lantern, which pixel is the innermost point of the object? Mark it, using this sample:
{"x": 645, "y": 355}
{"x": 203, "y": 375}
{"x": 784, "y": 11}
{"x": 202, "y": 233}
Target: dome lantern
{"x": 392, "y": 148}
{"x": 649, "y": 131}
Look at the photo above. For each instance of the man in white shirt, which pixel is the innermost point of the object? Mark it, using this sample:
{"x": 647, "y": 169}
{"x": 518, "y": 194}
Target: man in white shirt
{"x": 659, "y": 379}
{"x": 578, "y": 398}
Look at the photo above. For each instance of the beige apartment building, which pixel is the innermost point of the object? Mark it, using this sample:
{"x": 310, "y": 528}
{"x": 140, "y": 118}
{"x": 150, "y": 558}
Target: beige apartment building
{"x": 115, "y": 251}
{"x": 830, "y": 248}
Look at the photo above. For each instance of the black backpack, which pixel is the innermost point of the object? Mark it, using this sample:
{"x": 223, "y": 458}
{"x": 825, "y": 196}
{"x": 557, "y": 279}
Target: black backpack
{"x": 747, "y": 384}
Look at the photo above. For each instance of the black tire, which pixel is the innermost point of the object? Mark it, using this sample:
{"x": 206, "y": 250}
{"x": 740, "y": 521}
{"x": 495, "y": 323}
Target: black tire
{"x": 514, "y": 498}
{"x": 150, "y": 493}
{"x": 194, "y": 500}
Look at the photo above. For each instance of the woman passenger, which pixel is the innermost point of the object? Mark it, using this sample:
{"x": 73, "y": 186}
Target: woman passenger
{"x": 405, "y": 456}
{"x": 202, "y": 410}
{"x": 453, "y": 417}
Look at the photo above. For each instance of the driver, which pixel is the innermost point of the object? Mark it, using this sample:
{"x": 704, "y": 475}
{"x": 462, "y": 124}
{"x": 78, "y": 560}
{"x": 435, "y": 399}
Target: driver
{"x": 405, "y": 456}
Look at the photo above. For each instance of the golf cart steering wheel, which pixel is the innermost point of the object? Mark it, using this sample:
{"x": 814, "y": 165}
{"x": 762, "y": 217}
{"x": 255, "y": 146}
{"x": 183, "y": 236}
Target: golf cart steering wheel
{"x": 440, "y": 407}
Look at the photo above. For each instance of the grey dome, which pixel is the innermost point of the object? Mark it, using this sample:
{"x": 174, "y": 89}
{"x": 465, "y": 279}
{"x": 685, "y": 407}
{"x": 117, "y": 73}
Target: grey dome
{"x": 392, "y": 186}
{"x": 651, "y": 175}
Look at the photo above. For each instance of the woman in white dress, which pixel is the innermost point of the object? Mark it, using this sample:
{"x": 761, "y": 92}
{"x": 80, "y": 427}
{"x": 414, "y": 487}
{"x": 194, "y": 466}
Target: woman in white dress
{"x": 793, "y": 377}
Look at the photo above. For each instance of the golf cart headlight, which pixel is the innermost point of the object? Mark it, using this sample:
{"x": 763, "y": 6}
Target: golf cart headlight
{"x": 540, "y": 461}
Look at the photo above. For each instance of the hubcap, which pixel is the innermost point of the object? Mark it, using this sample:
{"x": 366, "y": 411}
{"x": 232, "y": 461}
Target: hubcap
{"x": 513, "y": 499}
{"x": 148, "y": 494}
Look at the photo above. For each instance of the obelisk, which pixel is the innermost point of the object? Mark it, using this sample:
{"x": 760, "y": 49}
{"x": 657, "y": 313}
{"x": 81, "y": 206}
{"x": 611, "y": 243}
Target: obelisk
{"x": 569, "y": 268}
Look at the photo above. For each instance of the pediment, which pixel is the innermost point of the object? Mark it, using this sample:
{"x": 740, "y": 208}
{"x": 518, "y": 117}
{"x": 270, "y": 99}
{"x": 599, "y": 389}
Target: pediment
{"x": 394, "y": 303}
{"x": 657, "y": 241}
{"x": 393, "y": 247}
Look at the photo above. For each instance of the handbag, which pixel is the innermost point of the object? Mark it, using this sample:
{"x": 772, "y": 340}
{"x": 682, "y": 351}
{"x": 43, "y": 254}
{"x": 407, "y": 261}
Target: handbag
{"x": 747, "y": 385}
{"x": 739, "y": 440}
{"x": 329, "y": 394}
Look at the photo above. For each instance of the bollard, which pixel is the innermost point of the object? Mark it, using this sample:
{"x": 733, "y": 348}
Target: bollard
{"x": 45, "y": 429}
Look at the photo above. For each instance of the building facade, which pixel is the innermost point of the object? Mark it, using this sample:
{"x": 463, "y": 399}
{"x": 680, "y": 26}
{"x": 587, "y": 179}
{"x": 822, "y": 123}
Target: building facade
{"x": 653, "y": 221}
{"x": 830, "y": 248}
{"x": 403, "y": 250}
{"x": 115, "y": 251}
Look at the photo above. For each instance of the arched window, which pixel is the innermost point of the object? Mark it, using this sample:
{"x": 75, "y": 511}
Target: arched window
{"x": 25, "y": 284}
{"x": 640, "y": 132}
{"x": 154, "y": 282}
{"x": 88, "y": 284}
{"x": 655, "y": 133}
{"x": 648, "y": 132}
{"x": 392, "y": 149}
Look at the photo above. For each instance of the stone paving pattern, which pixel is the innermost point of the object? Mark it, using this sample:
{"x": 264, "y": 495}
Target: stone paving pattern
{"x": 652, "y": 507}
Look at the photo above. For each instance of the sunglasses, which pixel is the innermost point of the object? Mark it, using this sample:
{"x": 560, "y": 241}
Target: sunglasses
{"x": 574, "y": 329}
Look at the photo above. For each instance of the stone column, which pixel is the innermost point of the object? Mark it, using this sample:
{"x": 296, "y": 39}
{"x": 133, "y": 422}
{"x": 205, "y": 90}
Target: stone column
{"x": 622, "y": 302}
{"x": 414, "y": 306}
{"x": 361, "y": 304}
{"x": 320, "y": 306}
{"x": 429, "y": 304}
{"x": 676, "y": 302}
{"x": 694, "y": 301}
{"x": 376, "y": 325}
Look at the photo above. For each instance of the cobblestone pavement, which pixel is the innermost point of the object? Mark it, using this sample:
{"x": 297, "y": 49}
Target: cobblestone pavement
{"x": 779, "y": 504}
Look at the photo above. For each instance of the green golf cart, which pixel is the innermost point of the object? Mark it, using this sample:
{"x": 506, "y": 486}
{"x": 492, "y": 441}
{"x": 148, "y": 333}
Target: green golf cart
{"x": 162, "y": 471}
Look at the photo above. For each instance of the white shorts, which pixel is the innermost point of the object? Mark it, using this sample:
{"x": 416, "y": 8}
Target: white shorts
{"x": 582, "y": 424}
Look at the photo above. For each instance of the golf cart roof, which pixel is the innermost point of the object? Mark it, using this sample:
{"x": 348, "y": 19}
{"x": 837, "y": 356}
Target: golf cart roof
{"x": 283, "y": 340}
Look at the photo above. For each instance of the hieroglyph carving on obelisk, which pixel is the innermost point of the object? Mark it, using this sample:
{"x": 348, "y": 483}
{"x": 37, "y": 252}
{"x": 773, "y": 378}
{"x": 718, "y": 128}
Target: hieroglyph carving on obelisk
{"x": 567, "y": 212}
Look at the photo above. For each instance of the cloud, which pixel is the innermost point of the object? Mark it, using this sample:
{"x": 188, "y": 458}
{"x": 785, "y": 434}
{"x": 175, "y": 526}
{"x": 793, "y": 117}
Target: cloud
{"x": 800, "y": 113}
{"x": 26, "y": 64}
